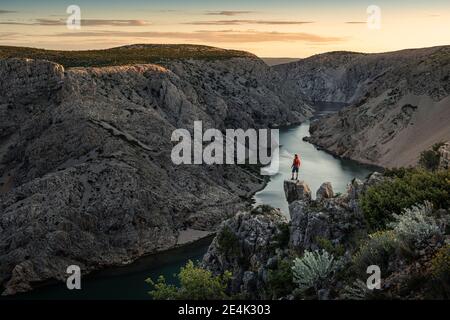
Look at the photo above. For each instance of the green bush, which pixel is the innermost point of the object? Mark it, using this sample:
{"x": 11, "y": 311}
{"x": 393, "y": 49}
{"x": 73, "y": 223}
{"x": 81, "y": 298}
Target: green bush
{"x": 282, "y": 236}
{"x": 358, "y": 290}
{"x": 337, "y": 250}
{"x": 228, "y": 243}
{"x": 262, "y": 210}
{"x": 416, "y": 226}
{"x": 377, "y": 250}
{"x": 440, "y": 271}
{"x": 195, "y": 284}
{"x": 314, "y": 270}
{"x": 404, "y": 189}
{"x": 429, "y": 159}
{"x": 280, "y": 281}
{"x": 440, "y": 264}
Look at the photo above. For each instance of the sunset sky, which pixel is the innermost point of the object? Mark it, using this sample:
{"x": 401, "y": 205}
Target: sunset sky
{"x": 280, "y": 28}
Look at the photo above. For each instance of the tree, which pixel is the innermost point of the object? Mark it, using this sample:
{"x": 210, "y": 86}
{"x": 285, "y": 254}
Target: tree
{"x": 429, "y": 159}
{"x": 196, "y": 283}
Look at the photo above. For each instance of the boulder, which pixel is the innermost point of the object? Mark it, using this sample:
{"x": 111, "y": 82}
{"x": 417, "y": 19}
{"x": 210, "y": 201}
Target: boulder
{"x": 325, "y": 191}
{"x": 296, "y": 190}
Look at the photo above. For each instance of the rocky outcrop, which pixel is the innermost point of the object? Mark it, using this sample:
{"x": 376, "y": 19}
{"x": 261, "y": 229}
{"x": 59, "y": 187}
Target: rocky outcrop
{"x": 41, "y": 80}
{"x": 328, "y": 218}
{"x": 246, "y": 245}
{"x": 86, "y": 176}
{"x": 325, "y": 191}
{"x": 252, "y": 245}
{"x": 399, "y": 102}
{"x": 296, "y": 190}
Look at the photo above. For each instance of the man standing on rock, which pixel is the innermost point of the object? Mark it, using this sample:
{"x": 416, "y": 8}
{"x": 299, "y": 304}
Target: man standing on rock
{"x": 295, "y": 166}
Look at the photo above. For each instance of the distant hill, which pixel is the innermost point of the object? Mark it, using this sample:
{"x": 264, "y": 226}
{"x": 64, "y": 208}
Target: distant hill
{"x": 277, "y": 61}
{"x": 399, "y": 102}
{"x": 125, "y": 55}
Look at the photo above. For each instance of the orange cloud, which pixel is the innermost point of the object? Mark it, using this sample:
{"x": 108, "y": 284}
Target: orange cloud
{"x": 84, "y": 22}
{"x": 227, "y": 13}
{"x": 240, "y": 22}
{"x": 225, "y": 36}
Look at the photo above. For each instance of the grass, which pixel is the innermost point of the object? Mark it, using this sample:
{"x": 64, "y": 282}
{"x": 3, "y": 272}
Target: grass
{"x": 133, "y": 54}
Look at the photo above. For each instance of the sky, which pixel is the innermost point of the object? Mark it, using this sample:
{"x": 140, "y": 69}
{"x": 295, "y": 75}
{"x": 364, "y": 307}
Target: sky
{"x": 282, "y": 28}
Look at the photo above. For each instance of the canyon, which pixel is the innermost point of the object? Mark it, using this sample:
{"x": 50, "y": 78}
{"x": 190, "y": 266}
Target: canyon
{"x": 399, "y": 102}
{"x": 86, "y": 176}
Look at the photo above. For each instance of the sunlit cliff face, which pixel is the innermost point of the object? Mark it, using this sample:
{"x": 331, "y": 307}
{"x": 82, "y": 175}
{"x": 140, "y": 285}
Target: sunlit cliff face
{"x": 266, "y": 28}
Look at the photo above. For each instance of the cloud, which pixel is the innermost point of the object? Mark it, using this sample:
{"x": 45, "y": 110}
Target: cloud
{"x": 228, "y": 13}
{"x": 222, "y": 36}
{"x": 8, "y": 35}
{"x": 7, "y": 11}
{"x": 84, "y": 22}
{"x": 241, "y": 22}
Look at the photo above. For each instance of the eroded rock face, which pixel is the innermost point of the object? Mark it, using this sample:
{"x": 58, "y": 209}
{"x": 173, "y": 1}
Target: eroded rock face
{"x": 86, "y": 175}
{"x": 328, "y": 218}
{"x": 252, "y": 244}
{"x": 245, "y": 245}
{"x": 28, "y": 81}
{"x": 315, "y": 220}
{"x": 399, "y": 102}
{"x": 296, "y": 190}
{"x": 325, "y": 191}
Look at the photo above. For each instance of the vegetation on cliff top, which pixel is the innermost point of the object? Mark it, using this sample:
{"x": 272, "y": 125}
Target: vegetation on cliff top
{"x": 133, "y": 54}
{"x": 404, "y": 189}
{"x": 429, "y": 159}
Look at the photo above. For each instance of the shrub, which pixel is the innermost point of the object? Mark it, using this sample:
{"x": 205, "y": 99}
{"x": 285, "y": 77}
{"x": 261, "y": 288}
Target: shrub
{"x": 405, "y": 189}
{"x": 280, "y": 280}
{"x": 429, "y": 159}
{"x": 228, "y": 243}
{"x": 440, "y": 264}
{"x": 357, "y": 291}
{"x": 416, "y": 225}
{"x": 337, "y": 250}
{"x": 376, "y": 251}
{"x": 282, "y": 236}
{"x": 440, "y": 271}
{"x": 195, "y": 284}
{"x": 262, "y": 210}
{"x": 314, "y": 270}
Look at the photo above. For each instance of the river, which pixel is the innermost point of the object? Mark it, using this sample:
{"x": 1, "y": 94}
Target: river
{"x": 317, "y": 166}
{"x": 128, "y": 282}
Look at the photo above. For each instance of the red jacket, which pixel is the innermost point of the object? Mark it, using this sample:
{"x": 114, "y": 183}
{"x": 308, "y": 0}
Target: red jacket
{"x": 297, "y": 162}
